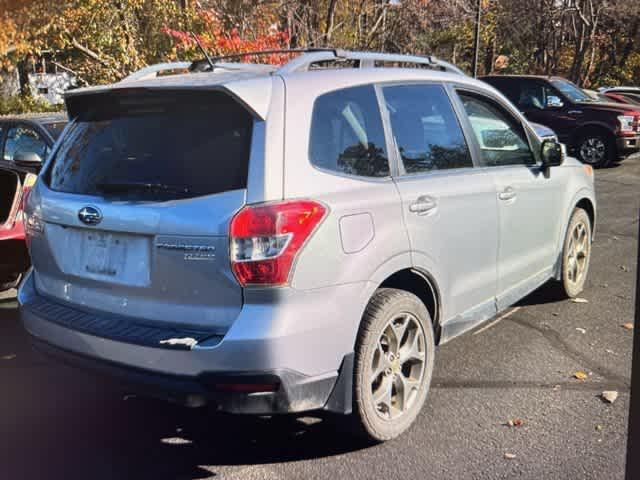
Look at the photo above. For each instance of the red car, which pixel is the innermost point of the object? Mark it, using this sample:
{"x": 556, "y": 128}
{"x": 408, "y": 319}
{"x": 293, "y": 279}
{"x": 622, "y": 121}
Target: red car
{"x": 25, "y": 141}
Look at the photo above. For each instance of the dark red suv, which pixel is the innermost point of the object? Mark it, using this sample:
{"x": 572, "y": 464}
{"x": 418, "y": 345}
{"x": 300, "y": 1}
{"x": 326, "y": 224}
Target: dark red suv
{"x": 597, "y": 133}
{"x": 25, "y": 142}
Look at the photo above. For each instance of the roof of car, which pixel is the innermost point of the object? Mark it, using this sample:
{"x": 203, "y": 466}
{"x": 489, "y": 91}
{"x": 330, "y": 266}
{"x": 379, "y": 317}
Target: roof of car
{"x": 538, "y": 77}
{"x": 41, "y": 118}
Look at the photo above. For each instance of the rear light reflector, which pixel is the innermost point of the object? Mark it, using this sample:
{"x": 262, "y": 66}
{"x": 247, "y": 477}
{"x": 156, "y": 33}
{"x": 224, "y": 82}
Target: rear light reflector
{"x": 265, "y": 239}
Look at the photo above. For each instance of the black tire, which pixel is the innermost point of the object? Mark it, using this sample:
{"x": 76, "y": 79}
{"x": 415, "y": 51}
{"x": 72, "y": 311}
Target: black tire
{"x": 385, "y": 311}
{"x": 596, "y": 148}
{"x": 568, "y": 286}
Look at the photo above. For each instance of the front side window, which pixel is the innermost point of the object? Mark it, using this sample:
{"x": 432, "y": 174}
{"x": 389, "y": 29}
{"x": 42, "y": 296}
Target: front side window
{"x": 425, "y": 128}
{"x": 24, "y": 139}
{"x": 500, "y": 136}
{"x": 347, "y": 134}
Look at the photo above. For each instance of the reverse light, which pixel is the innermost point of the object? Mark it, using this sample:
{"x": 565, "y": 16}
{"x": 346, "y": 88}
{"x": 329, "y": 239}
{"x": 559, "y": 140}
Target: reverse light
{"x": 265, "y": 239}
{"x": 629, "y": 123}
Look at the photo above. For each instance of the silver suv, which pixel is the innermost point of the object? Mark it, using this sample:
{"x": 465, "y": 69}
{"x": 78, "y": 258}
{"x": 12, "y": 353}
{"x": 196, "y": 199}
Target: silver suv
{"x": 286, "y": 239}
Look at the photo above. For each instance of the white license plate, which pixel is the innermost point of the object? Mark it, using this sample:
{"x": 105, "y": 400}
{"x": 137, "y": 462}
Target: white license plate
{"x": 105, "y": 253}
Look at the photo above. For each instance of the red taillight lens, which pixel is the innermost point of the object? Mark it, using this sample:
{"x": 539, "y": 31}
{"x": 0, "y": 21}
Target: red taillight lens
{"x": 265, "y": 239}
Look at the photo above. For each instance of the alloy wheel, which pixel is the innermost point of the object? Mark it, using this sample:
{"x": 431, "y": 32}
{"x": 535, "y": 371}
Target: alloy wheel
{"x": 593, "y": 150}
{"x": 578, "y": 253}
{"x": 398, "y": 366}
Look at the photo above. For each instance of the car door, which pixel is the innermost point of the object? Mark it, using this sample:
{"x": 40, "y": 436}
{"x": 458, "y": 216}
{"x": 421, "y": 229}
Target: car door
{"x": 528, "y": 196}
{"x": 449, "y": 207}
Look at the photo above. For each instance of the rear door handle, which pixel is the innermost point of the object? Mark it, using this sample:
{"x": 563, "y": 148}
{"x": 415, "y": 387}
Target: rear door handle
{"x": 423, "y": 205}
{"x": 507, "y": 194}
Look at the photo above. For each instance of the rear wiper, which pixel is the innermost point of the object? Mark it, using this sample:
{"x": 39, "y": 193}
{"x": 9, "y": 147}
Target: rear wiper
{"x": 138, "y": 186}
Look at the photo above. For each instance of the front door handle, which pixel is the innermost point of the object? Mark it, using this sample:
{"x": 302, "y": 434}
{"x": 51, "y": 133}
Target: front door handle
{"x": 423, "y": 205}
{"x": 507, "y": 194}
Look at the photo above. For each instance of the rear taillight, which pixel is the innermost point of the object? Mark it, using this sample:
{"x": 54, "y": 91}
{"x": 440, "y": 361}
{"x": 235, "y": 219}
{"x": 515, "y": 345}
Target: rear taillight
{"x": 265, "y": 239}
{"x": 629, "y": 123}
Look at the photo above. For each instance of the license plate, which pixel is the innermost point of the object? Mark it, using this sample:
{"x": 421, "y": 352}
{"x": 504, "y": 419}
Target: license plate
{"x": 105, "y": 253}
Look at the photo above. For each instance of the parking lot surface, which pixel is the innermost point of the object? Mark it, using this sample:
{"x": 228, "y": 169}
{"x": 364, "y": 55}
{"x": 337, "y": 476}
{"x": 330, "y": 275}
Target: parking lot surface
{"x": 61, "y": 423}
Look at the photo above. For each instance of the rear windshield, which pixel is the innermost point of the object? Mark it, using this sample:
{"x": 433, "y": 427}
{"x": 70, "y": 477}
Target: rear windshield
{"x": 155, "y": 146}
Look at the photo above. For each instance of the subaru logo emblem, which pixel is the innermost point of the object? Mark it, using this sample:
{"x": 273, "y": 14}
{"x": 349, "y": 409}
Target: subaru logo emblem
{"x": 90, "y": 216}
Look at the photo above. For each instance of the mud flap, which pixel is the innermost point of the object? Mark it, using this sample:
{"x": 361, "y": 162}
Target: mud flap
{"x": 341, "y": 398}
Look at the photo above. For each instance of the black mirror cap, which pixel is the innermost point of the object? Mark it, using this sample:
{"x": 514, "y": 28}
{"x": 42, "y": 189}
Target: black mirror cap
{"x": 27, "y": 159}
{"x": 552, "y": 153}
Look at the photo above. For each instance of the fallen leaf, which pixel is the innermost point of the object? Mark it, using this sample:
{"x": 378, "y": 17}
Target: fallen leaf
{"x": 599, "y": 428}
{"x": 609, "y": 395}
{"x": 608, "y": 350}
{"x": 514, "y": 422}
{"x": 616, "y": 238}
{"x": 581, "y": 330}
{"x": 509, "y": 456}
{"x": 579, "y": 300}
{"x": 605, "y": 285}
{"x": 556, "y": 387}
{"x": 627, "y": 326}
{"x": 580, "y": 375}
{"x": 555, "y": 314}
{"x": 624, "y": 268}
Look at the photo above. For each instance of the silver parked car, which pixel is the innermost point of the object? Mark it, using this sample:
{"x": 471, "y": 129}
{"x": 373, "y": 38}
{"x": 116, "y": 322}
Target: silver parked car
{"x": 295, "y": 238}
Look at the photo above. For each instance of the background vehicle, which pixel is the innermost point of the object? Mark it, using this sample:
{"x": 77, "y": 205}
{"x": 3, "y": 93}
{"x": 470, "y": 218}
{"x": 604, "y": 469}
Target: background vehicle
{"x": 623, "y": 97}
{"x": 598, "y": 133}
{"x": 295, "y": 238}
{"x": 20, "y": 138}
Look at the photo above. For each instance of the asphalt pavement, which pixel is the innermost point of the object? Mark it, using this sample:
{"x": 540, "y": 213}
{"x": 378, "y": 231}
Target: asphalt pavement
{"x": 61, "y": 423}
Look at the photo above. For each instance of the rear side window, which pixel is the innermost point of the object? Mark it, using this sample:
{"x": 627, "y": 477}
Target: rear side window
{"x": 26, "y": 140}
{"x": 347, "y": 134}
{"x": 156, "y": 146}
{"x": 426, "y": 129}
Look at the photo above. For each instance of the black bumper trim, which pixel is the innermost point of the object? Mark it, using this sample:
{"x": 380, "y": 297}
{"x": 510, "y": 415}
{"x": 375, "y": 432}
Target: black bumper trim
{"x": 118, "y": 328}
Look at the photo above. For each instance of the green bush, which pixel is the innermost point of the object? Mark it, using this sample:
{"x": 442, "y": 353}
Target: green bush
{"x": 26, "y": 104}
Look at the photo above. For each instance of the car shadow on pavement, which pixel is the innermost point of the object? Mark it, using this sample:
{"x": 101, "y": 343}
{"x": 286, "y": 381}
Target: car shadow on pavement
{"x": 547, "y": 293}
{"x": 58, "y": 422}
{"x": 145, "y": 439}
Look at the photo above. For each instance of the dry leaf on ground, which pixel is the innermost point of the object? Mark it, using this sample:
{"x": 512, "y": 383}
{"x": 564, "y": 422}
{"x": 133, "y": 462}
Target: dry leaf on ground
{"x": 580, "y": 375}
{"x": 509, "y": 456}
{"x": 609, "y": 395}
{"x": 579, "y": 300}
{"x": 581, "y": 330}
{"x": 628, "y": 326}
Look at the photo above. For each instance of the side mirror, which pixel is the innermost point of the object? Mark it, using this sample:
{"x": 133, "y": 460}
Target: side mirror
{"x": 554, "y": 102}
{"x": 552, "y": 153}
{"x": 24, "y": 158}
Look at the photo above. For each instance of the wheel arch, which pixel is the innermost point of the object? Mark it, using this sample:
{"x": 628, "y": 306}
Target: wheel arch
{"x": 422, "y": 285}
{"x": 592, "y": 127}
{"x": 583, "y": 199}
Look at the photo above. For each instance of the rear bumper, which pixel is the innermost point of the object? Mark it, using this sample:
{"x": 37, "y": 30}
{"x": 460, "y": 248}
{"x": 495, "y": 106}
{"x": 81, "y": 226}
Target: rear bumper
{"x": 626, "y": 145}
{"x": 293, "y": 360}
{"x": 284, "y": 391}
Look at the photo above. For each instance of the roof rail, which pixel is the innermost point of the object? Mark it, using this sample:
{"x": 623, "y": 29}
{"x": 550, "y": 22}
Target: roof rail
{"x": 205, "y": 65}
{"x": 304, "y": 62}
{"x": 365, "y": 60}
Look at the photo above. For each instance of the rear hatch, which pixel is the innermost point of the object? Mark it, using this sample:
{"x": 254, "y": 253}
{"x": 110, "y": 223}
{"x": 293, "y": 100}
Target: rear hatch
{"x": 135, "y": 204}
